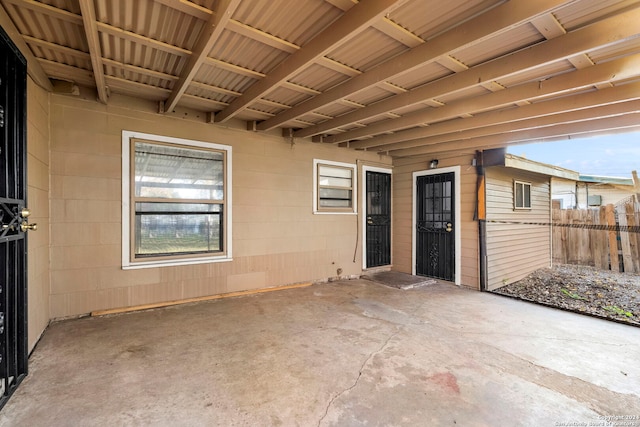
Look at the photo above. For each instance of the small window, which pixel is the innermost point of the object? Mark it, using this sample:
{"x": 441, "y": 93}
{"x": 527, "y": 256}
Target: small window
{"x": 177, "y": 201}
{"x": 334, "y": 187}
{"x": 522, "y": 195}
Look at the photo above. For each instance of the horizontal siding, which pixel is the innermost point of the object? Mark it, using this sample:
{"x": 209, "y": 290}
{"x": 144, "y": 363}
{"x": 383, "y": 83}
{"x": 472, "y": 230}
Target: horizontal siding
{"x": 515, "y": 249}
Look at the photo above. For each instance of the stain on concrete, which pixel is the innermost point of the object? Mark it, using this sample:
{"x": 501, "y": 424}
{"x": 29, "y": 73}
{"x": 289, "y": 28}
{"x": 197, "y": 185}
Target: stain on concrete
{"x": 446, "y": 380}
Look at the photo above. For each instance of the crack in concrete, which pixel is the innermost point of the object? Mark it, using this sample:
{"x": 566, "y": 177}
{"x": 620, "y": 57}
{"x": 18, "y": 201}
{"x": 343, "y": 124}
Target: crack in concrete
{"x": 361, "y": 370}
{"x": 398, "y": 328}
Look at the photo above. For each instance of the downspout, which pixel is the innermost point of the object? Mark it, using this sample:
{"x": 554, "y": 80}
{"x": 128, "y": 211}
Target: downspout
{"x": 481, "y": 216}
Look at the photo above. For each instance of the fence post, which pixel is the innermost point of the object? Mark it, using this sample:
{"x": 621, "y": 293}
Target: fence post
{"x": 613, "y": 241}
{"x": 625, "y": 244}
{"x": 634, "y": 238}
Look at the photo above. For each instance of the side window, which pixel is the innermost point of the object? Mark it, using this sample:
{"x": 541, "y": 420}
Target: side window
{"x": 178, "y": 201}
{"x": 522, "y": 195}
{"x": 334, "y": 187}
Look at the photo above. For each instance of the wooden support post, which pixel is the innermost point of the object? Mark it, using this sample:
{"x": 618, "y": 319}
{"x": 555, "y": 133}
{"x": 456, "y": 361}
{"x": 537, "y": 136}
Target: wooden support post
{"x": 613, "y": 240}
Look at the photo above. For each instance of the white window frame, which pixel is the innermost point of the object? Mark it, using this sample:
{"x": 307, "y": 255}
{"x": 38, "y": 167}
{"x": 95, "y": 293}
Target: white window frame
{"x": 515, "y": 192}
{"x": 128, "y": 138}
{"x": 353, "y": 210}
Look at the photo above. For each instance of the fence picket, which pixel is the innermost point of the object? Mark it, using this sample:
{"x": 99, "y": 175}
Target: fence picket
{"x": 597, "y": 238}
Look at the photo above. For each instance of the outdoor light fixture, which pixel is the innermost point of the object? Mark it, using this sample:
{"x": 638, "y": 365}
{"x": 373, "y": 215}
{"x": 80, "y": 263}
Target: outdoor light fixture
{"x": 433, "y": 164}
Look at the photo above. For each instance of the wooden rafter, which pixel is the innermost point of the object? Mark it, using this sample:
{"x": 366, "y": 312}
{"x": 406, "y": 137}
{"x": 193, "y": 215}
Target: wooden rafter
{"x": 34, "y": 69}
{"x": 620, "y": 69}
{"x": 495, "y": 21}
{"x": 628, "y": 122}
{"x": 188, "y": 7}
{"x": 356, "y": 19}
{"x": 93, "y": 41}
{"x": 209, "y": 35}
{"x": 576, "y": 42}
{"x": 495, "y": 125}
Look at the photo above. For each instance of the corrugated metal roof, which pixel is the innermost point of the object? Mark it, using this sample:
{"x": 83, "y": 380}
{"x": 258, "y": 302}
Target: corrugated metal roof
{"x": 280, "y": 62}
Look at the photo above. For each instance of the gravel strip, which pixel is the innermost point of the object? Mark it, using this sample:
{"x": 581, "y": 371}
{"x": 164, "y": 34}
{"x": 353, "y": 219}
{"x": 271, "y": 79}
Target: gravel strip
{"x": 583, "y": 289}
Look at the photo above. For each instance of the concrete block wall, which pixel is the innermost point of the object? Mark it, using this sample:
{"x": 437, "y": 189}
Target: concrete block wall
{"x": 277, "y": 240}
{"x": 38, "y": 162}
{"x": 403, "y": 211}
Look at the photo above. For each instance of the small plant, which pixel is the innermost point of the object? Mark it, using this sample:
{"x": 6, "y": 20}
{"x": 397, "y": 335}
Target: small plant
{"x": 571, "y": 294}
{"x": 618, "y": 310}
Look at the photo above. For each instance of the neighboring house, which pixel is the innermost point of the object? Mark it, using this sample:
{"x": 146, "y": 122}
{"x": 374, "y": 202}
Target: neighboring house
{"x": 587, "y": 191}
{"x": 518, "y": 216}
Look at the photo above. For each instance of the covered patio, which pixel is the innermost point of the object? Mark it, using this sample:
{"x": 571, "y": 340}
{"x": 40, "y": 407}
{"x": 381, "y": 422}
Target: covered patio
{"x": 344, "y": 353}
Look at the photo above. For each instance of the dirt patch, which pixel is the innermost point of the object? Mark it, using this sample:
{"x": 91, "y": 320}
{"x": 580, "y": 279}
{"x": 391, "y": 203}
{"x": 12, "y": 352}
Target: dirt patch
{"x": 582, "y": 289}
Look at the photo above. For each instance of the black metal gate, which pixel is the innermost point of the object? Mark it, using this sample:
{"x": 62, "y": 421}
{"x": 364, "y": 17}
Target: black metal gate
{"x": 435, "y": 235}
{"x": 13, "y": 224}
{"x": 378, "y": 230}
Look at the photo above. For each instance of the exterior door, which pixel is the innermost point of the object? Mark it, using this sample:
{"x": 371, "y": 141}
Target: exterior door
{"x": 435, "y": 234}
{"x": 378, "y": 217}
{"x": 13, "y": 225}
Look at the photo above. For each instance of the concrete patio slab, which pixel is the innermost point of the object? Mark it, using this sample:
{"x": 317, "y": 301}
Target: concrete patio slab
{"x": 344, "y": 353}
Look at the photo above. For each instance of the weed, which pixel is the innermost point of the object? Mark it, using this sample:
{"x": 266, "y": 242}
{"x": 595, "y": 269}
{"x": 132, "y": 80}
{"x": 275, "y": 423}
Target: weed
{"x": 618, "y": 310}
{"x": 571, "y": 294}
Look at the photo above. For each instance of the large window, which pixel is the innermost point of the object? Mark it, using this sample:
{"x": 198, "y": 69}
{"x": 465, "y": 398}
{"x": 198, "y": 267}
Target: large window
{"x": 522, "y": 195}
{"x": 334, "y": 187}
{"x": 177, "y": 201}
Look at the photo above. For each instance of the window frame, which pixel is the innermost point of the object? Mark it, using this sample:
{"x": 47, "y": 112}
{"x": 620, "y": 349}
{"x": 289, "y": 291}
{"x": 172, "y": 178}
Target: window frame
{"x": 317, "y": 209}
{"x": 129, "y": 261}
{"x": 515, "y": 195}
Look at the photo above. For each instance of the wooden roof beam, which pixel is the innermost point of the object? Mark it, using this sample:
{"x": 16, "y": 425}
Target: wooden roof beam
{"x": 576, "y": 42}
{"x": 617, "y": 70}
{"x": 500, "y": 127}
{"x": 607, "y": 125}
{"x": 34, "y": 69}
{"x": 354, "y": 21}
{"x": 208, "y": 36}
{"x": 93, "y": 41}
{"x": 188, "y": 7}
{"x": 499, "y": 19}
{"x": 47, "y": 10}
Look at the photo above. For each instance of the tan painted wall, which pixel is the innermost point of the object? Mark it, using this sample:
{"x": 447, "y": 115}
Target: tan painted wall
{"x": 276, "y": 238}
{"x": 516, "y": 250}
{"x": 403, "y": 206}
{"x": 38, "y": 202}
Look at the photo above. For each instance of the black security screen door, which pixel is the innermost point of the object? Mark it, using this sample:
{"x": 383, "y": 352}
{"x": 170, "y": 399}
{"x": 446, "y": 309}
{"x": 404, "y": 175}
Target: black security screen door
{"x": 13, "y": 225}
{"x": 435, "y": 236}
{"x": 378, "y": 229}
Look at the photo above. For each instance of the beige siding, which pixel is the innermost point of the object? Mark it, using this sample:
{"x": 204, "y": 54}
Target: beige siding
{"x": 403, "y": 207}
{"x": 566, "y": 189}
{"x": 277, "y": 240}
{"x": 38, "y": 202}
{"x": 513, "y": 249}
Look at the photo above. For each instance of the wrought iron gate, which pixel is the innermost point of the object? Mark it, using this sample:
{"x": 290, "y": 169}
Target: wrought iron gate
{"x": 435, "y": 236}
{"x": 13, "y": 224}
{"x": 378, "y": 230}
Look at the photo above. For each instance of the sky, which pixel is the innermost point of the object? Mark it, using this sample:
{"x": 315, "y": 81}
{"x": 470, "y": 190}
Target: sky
{"x": 613, "y": 155}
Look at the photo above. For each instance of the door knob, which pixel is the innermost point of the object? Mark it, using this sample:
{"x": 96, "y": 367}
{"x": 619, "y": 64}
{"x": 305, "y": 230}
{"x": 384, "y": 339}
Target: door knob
{"x": 449, "y": 227}
{"x": 26, "y": 226}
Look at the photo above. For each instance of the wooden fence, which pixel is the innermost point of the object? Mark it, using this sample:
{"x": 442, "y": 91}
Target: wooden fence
{"x": 606, "y": 238}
